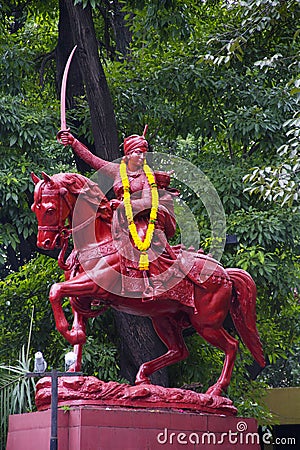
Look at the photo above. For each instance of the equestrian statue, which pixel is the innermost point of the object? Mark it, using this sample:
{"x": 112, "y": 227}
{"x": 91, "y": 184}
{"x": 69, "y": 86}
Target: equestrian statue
{"x": 122, "y": 259}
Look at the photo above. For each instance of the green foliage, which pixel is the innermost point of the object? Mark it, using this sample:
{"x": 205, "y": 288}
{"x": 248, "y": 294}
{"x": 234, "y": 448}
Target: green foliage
{"x": 29, "y": 32}
{"x": 167, "y": 19}
{"x": 171, "y": 85}
{"x": 218, "y": 84}
{"x": 249, "y": 397}
{"x": 17, "y": 222}
{"x": 100, "y": 358}
{"x": 268, "y": 248}
{"x": 280, "y": 183}
{"x": 280, "y": 336}
{"x": 16, "y": 391}
{"x": 81, "y": 115}
{"x": 13, "y": 66}
{"x": 22, "y": 126}
{"x": 18, "y": 388}
{"x": 28, "y": 122}
{"x": 19, "y": 292}
{"x": 285, "y": 371}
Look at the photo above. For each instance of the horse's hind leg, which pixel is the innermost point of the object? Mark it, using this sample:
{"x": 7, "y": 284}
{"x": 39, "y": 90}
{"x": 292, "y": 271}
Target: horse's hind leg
{"x": 221, "y": 339}
{"x": 170, "y": 332}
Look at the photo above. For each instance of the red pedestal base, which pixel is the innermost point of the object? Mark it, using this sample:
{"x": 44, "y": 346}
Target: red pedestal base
{"x": 77, "y": 391}
{"x": 95, "y": 428}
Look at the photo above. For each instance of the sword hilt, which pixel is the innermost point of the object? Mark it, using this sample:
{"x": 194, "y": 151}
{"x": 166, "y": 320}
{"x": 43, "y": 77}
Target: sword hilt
{"x": 58, "y": 136}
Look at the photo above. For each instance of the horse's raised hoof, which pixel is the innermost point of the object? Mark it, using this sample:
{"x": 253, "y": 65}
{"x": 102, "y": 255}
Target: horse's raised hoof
{"x": 214, "y": 391}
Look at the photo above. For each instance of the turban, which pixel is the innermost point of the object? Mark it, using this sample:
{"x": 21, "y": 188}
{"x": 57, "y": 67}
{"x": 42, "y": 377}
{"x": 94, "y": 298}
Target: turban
{"x": 135, "y": 141}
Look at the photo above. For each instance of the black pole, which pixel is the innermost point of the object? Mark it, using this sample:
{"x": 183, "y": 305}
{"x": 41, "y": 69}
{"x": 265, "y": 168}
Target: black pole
{"x": 54, "y": 404}
{"x": 54, "y": 374}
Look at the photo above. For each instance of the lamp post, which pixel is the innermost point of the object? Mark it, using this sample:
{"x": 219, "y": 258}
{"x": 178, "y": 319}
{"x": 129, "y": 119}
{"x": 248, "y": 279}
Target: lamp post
{"x": 39, "y": 371}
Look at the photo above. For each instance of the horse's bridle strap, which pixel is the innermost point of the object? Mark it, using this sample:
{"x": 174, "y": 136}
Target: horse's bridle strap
{"x": 49, "y": 228}
{"x": 84, "y": 224}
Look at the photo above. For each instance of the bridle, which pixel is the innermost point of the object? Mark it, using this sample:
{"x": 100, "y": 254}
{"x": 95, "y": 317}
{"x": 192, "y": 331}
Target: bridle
{"x": 63, "y": 232}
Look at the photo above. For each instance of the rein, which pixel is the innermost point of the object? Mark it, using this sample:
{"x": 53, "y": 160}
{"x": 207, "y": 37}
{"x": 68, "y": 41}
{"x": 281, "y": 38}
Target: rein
{"x": 64, "y": 232}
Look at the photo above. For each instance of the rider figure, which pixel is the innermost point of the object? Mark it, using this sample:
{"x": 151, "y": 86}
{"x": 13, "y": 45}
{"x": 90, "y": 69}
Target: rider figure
{"x": 135, "y": 149}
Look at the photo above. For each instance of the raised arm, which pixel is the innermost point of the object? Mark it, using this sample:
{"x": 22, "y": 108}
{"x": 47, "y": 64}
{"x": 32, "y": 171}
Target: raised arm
{"x": 111, "y": 169}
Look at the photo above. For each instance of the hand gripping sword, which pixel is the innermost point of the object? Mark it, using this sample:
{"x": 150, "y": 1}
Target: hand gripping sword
{"x": 63, "y": 121}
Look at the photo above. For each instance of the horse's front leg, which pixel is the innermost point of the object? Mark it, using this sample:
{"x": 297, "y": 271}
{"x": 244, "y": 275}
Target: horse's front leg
{"x": 79, "y": 323}
{"x": 81, "y": 285}
{"x": 76, "y": 367}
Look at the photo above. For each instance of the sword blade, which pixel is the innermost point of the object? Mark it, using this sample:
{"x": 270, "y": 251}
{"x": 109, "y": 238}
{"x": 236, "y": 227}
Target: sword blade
{"x": 63, "y": 121}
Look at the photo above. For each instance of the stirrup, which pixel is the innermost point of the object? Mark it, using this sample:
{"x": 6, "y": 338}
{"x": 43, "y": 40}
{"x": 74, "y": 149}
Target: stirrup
{"x": 148, "y": 294}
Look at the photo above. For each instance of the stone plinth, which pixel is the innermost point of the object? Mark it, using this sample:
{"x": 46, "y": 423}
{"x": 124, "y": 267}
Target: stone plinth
{"x": 106, "y": 428}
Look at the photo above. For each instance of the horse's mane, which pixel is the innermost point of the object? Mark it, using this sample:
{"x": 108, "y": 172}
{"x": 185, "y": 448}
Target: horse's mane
{"x": 80, "y": 185}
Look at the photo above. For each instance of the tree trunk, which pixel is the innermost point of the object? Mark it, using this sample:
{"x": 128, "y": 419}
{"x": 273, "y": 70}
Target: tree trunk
{"x": 75, "y": 86}
{"x": 114, "y": 19}
{"x": 122, "y": 33}
{"x": 103, "y": 120}
{"x": 139, "y": 344}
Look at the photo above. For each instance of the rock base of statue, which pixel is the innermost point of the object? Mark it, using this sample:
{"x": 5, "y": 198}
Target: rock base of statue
{"x": 92, "y": 391}
{"x": 113, "y": 428}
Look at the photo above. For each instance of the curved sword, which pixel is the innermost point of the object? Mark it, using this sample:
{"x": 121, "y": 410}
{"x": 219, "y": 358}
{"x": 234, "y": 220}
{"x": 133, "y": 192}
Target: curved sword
{"x": 63, "y": 122}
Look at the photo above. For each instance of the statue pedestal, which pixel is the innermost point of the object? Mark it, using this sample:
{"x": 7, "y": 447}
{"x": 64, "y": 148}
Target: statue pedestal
{"x": 113, "y": 428}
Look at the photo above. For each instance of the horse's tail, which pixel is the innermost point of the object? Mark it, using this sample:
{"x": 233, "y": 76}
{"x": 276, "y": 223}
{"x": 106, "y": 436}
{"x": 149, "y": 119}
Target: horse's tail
{"x": 243, "y": 312}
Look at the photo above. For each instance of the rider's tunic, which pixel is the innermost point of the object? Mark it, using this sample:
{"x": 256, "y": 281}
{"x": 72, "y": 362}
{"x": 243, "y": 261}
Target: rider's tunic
{"x": 165, "y": 226}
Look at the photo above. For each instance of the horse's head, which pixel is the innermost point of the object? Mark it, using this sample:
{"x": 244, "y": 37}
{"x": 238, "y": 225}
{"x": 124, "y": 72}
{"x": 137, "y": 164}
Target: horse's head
{"x": 54, "y": 202}
{"x": 52, "y": 205}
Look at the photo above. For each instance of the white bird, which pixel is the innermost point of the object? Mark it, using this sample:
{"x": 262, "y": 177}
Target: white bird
{"x": 70, "y": 359}
{"x": 40, "y": 364}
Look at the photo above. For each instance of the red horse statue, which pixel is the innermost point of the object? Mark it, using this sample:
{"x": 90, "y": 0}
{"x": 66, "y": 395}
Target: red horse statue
{"x": 94, "y": 281}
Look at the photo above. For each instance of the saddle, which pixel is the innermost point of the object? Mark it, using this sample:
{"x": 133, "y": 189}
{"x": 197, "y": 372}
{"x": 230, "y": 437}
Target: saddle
{"x": 175, "y": 271}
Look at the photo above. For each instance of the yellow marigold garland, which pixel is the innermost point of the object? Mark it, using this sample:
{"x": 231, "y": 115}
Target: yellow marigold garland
{"x": 142, "y": 246}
